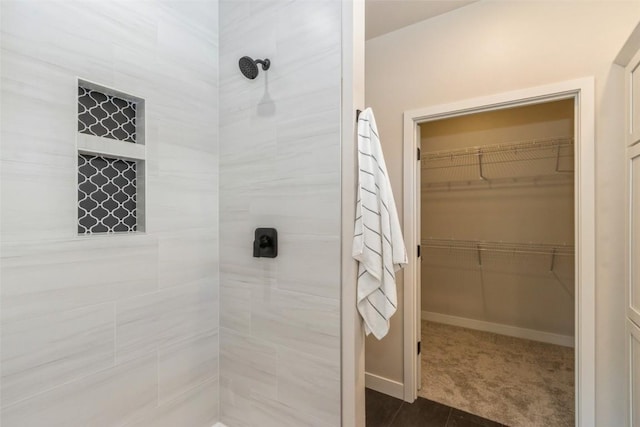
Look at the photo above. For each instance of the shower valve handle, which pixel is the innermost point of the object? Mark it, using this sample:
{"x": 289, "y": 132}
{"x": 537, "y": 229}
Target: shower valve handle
{"x": 265, "y": 241}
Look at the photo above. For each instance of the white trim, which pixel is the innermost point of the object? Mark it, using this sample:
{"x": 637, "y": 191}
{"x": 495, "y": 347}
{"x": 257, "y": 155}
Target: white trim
{"x": 629, "y": 49}
{"x": 219, "y": 424}
{"x": 411, "y": 227}
{"x": 498, "y": 328}
{"x": 352, "y": 333}
{"x": 384, "y": 385}
{"x": 632, "y": 334}
{"x": 629, "y": 58}
{"x": 582, "y": 92}
{"x": 631, "y": 270}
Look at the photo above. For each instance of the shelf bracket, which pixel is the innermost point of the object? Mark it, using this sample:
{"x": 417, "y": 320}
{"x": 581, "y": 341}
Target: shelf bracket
{"x": 479, "y": 256}
{"x": 480, "y": 165}
{"x": 553, "y": 260}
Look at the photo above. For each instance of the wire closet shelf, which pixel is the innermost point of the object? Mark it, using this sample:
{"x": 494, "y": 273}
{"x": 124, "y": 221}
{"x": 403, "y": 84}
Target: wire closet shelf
{"x": 481, "y": 246}
{"x": 521, "y": 159}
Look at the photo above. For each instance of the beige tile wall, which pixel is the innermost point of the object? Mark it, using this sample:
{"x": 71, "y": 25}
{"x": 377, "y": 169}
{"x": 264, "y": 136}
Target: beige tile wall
{"x": 123, "y": 330}
{"x": 109, "y": 330}
{"x": 280, "y": 167}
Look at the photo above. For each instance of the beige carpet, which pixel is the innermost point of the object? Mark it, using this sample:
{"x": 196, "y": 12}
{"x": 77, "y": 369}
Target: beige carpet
{"x": 516, "y": 382}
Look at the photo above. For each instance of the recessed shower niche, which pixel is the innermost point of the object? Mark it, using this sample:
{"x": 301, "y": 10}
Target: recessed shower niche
{"x": 111, "y": 160}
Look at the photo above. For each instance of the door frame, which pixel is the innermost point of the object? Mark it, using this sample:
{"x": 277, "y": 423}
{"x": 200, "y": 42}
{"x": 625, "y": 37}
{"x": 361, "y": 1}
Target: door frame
{"x": 582, "y": 92}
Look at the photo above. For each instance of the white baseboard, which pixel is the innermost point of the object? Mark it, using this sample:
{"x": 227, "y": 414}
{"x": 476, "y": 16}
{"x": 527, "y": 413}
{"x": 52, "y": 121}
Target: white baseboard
{"x": 384, "y": 385}
{"x": 497, "y": 328}
{"x": 219, "y": 424}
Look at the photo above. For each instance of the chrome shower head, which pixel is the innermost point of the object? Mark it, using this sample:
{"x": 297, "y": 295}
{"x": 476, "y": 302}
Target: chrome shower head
{"x": 249, "y": 66}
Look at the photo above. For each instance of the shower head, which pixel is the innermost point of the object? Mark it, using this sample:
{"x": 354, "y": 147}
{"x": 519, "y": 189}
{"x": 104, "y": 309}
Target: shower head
{"x": 249, "y": 67}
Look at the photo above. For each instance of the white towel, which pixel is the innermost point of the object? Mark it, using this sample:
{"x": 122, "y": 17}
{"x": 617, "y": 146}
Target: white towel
{"x": 377, "y": 241}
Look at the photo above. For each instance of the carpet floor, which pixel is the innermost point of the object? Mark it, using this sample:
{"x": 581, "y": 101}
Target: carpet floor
{"x": 513, "y": 381}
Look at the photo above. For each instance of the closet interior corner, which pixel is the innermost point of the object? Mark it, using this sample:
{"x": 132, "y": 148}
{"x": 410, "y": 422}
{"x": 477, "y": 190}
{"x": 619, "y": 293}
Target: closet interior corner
{"x": 498, "y": 263}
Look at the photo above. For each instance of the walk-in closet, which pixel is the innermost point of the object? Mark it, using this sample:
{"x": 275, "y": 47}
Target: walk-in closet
{"x": 497, "y": 271}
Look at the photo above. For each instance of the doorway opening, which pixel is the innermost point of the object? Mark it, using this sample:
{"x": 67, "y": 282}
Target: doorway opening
{"x": 507, "y": 249}
{"x": 497, "y": 264}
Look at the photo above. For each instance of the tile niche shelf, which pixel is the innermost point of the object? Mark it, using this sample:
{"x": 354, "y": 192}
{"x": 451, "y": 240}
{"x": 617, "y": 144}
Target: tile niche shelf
{"x": 111, "y": 161}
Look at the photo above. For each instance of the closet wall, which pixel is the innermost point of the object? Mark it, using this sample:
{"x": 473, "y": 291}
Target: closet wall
{"x": 498, "y": 222}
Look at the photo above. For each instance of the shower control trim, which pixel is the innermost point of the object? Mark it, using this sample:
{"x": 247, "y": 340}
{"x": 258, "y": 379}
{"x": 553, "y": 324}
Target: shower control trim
{"x": 265, "y": 243}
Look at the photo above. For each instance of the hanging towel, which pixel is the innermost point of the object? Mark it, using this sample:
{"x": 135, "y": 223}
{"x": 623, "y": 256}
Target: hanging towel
{"x": 378, "y": 245}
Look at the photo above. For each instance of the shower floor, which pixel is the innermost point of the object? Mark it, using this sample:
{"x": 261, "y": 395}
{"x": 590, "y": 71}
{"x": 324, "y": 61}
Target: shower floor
{"x": 513, "y": 381}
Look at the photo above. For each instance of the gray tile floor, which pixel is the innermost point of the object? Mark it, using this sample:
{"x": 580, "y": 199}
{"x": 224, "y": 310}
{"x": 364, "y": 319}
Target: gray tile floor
{"x": 387, "y": 411}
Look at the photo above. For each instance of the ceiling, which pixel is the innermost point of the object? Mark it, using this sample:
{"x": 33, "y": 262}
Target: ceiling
{"x": 384, "y": 16}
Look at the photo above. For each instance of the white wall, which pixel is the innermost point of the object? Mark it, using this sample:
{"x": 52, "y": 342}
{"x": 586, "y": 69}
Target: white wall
{"x": 493, "y": 47}
{"x": 280, "y": 167}
{"x": 109, "y": 330}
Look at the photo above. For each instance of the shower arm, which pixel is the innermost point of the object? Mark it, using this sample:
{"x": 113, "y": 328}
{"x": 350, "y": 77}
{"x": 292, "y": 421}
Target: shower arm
{"x": 265, "y": 64}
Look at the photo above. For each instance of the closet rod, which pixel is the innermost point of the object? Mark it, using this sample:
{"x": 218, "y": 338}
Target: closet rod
{"x": 510, "y": 182}
{"x": 500, "y": 247}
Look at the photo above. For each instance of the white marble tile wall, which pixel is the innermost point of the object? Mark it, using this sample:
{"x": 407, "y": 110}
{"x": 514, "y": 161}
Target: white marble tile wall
{"x": 109, "y": 330}
{"x": 280, "y": 167}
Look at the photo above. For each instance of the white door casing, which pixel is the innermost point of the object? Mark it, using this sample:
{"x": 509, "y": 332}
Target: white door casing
{"x": 582, "y": 92}
{"x": 632, "y": 250}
